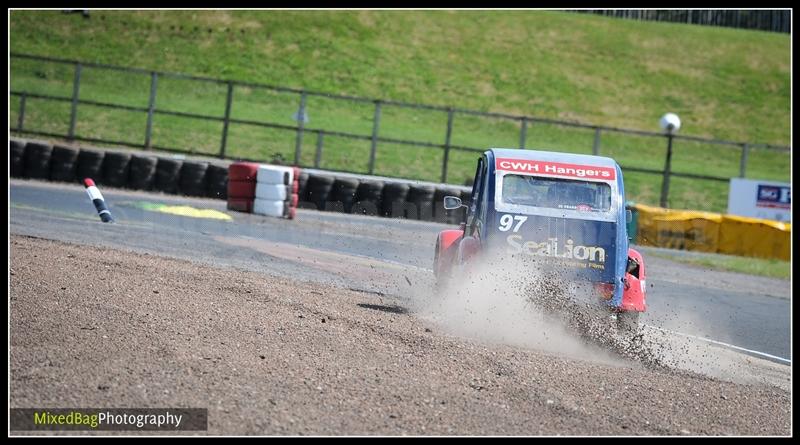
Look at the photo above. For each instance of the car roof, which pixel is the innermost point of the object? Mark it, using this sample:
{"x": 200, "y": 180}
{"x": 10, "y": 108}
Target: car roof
{"x": 553, "y": 156}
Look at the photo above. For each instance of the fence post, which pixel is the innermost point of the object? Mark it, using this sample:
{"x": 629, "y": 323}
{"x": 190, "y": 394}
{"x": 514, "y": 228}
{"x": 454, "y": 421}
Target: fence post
{"x": 318, "y": 154}
{"x": 447, "y": 144}
{"x": 523, "y": 133}
{"x": 376, "y": 122}
{"x": 301, "y": 114}
{"x": 76, "y": 86}
{"x": 226, "y": 121}
{"x": 667, "y": 168}
{"x": 151, "y": 107}
{"x": 21, "y": 117}
{"x": 743, "y": 160}
{"x": 596, "y": 144}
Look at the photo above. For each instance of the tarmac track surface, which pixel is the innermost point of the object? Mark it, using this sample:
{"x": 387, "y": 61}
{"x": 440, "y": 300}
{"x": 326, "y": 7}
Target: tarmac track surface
{"x": 276, "y": 336}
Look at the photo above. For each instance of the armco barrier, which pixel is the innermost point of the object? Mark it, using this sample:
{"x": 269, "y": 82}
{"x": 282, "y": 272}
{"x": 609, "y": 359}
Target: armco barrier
{"x": 648, "y": 232}
{"x": 713, "y": 232}
{"x": 688, "y": 231}
{"x": 753, "y": 237}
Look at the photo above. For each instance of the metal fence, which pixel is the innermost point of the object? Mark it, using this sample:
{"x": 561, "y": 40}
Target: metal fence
{"x": 300, "y": 130}
{"x": 764, "y": 20}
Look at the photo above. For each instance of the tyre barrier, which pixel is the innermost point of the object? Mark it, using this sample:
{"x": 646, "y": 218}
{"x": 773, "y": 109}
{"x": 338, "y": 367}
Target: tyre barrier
{"x": 240, "y": 204}
{"x": 115, "y": 168}
{"x": 294, "y": 199}
{"x": 90, "y": 164}
{"x": 243, "y": 171}
{"x": 241, "y": 188}
{"x": 17, "y": 158}
{"x": 393, "y": 199}
{"x": 37, "y": 160}
{"x": 317, "y": 190}
{"x": 274, "y": 174}
{"x": 273, "y": 191}
{"x": 63, "y": 163}
{"x": 217, "y": 180}
{"x": 123, "y": 169}
{"x": 142, "y": 172}
{"x": 268, "y": 207}
{"x": 344, "y": 191}
{"x": 167, "y": 171}
{"x": 241, "y": 183}
{"x": 301, "y": 183}
{"x": 368, "y": 198}
{"x": 192, "y": 178}
{"x": 421, "y": 196}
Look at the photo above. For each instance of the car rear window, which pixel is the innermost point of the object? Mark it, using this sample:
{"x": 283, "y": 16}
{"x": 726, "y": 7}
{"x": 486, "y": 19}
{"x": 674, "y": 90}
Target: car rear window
{"x": 556, "y": 193}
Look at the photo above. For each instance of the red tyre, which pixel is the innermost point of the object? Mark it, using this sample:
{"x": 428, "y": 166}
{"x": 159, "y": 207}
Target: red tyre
{"x": 242, "y": 171}
{"x": 242, "y": 189}
{"x": 296, "y": 185}
{"x": 293, "y": 200}
{"x": 240, "y": 205}
{"x": 292, "y": 213}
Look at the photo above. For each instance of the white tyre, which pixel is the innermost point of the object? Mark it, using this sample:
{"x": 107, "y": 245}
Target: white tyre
{"x": 274, "y": 174}
{"x": 268, "y": 208}
{"x": 271, "y": 192}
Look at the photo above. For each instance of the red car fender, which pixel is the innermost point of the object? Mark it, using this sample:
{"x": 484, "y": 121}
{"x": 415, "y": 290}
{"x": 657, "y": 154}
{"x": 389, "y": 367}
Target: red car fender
{"x": 635, "y": 290}
{"x": 446, "y": 243}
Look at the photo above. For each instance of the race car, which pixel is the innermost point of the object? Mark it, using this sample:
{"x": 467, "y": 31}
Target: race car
{"x": 558, "y": 211}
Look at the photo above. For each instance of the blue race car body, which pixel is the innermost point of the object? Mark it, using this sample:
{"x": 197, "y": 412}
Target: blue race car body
{"x": 560, "y": 210}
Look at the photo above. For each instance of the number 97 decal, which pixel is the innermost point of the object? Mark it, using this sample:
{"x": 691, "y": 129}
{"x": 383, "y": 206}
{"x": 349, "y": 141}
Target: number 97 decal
{"x": 506, "y": 221}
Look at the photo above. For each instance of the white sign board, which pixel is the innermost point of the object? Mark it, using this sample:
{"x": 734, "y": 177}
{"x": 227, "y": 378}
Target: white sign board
{"x": 760, "y": 199}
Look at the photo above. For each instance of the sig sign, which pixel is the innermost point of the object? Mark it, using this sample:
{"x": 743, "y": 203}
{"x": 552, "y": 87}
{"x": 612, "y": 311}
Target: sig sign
{"x": 760, "y": 199}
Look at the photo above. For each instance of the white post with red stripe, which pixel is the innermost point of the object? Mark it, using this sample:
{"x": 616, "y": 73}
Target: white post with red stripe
{"x": 97, "y": 200}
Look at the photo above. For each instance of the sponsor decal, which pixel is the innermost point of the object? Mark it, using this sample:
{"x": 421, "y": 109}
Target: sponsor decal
{"x": 773, "y": 196}
{"x": 594, "y": 255}
{"x": 555, "y": 168}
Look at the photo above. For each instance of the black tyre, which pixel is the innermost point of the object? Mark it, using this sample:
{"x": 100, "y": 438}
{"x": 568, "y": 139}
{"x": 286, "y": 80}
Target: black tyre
{"x": 90, "y": 165}
{"x": 370, "y": 190}
{"x": 344, "y": 191}
{"x": 369, "y": 195}
{"x": 115, "y": 168}
{"x": 17, "y": 157}
{"x": 167, "y": 173}
{"x": 142, "y": 172}
{"x": 217, "y": 181}
{"x": 63, "y": 163}
{"x": 37, "y": 160}
{"x": 393, "y": 199}
{"x": 318, "y": 189}
{"x": 422, "y": 198}
{"x": 193, "y": 178}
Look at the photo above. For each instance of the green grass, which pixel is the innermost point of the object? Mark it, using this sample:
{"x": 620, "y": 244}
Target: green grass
{"x": 751, "y": 266}
{"x": 724, "y": 83}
